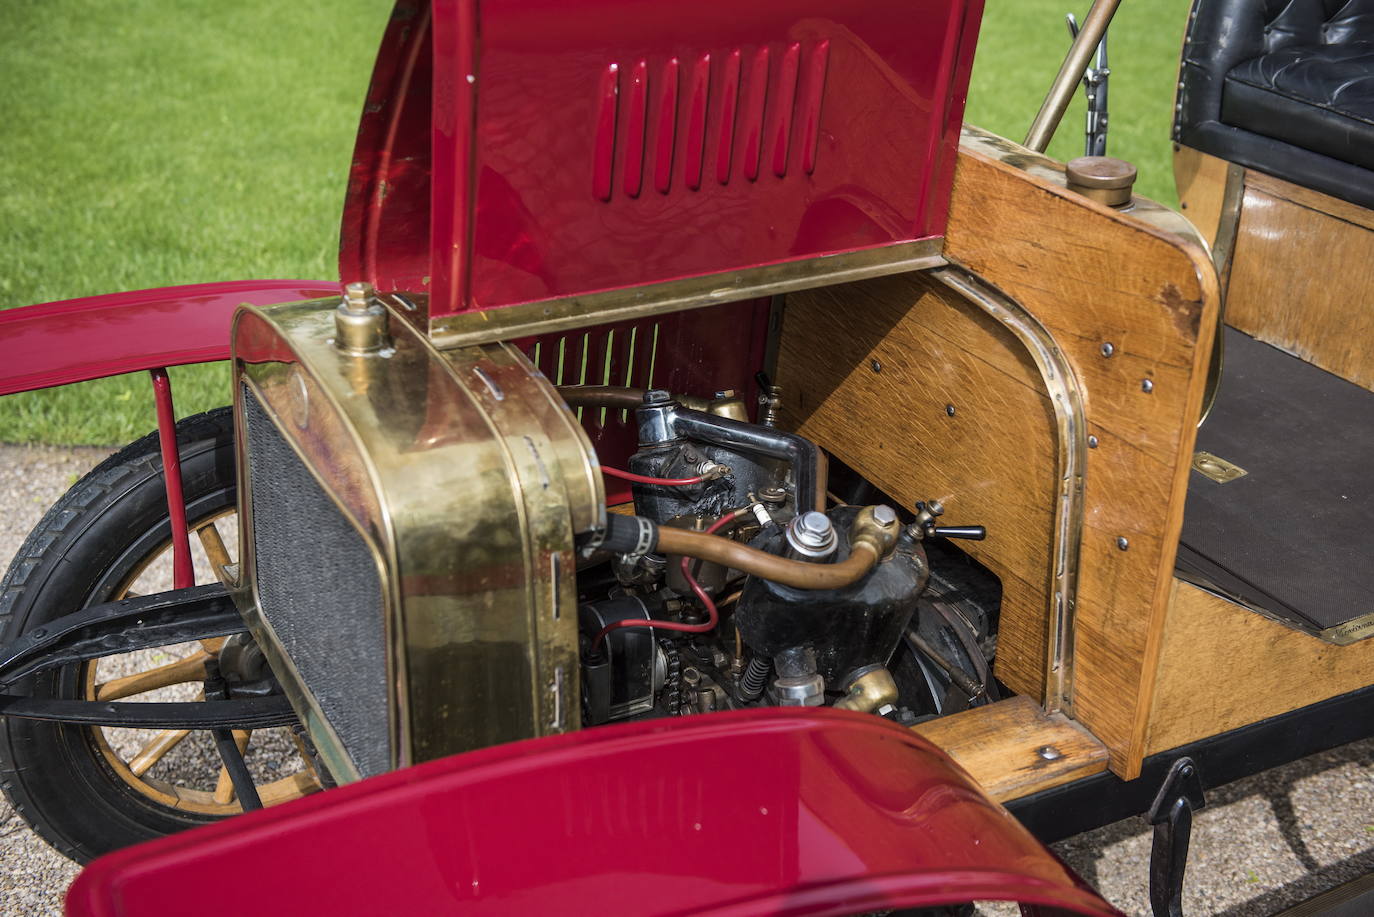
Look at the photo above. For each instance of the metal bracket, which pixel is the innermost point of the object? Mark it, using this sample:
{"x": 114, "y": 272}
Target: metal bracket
{"x": 234, "y": 765}
{"x": 1172, "y": 815}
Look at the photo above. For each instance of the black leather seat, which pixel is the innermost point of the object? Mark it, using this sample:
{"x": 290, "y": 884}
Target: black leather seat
{"x": 1285, "y": 87}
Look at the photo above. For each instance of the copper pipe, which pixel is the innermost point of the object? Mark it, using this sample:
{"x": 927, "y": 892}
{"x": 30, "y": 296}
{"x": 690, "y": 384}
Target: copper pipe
{"x": 1070, "y": 72}
{"x": 601, "y": 396}
{"x": 795, "y": 573}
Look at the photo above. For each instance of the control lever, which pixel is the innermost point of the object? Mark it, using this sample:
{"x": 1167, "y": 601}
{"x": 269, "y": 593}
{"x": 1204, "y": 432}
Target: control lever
{"x": 924, "y": 526}
{"x": 1095, "y": 86}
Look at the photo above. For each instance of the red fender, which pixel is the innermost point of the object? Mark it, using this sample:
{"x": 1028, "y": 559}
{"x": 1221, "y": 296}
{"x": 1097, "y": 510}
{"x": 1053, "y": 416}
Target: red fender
{"x": 96, "y": 336}
{"x": 777, "y": 810}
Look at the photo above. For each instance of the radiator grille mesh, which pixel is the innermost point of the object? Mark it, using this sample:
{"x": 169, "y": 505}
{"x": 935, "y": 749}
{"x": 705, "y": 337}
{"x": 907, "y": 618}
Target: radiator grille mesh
{"x": 318, "y": 588}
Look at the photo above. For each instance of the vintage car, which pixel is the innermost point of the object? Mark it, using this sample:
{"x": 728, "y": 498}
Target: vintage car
{"x": 724, "y": 482}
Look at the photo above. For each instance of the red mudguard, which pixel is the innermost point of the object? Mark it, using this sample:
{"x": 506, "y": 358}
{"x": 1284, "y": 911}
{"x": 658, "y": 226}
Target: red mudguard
{"x": 778, "y": 811}
{"x": 96, "y": 336}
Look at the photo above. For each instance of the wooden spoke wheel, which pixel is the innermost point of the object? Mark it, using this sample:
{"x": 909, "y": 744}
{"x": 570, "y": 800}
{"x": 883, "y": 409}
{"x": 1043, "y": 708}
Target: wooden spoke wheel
{"x": 89, "y": 790}
{"x": 177, "y": 767}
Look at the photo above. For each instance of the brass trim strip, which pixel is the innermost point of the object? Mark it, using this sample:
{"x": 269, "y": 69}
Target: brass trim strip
{"x": 557, "y": 315}
{"x": 1067, "y": 400}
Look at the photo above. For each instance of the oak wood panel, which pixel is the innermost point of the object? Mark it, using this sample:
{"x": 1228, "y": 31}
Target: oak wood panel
{"x": 1201, "y": 183}
{"x": 999, "y": 745}
{"x": 1302, "y": 277}
{"x": 992, "y": 462}
{"x": 1093, "y": 276}
{"x": 1224, "y": 666}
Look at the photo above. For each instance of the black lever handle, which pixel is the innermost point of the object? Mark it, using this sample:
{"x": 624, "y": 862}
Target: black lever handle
{"x": 967, "y": 532}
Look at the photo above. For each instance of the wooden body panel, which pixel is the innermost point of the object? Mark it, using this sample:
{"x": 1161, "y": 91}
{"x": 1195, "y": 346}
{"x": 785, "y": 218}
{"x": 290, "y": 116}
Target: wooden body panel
{"x": 992, "y": 462}
{"x": 1013, "y": 748}
{"x": 1201, "y": 181}
{"x": 1223, "y": 666}
{"x": 1091, "y": 276}
{"x": 1302, "y": 276}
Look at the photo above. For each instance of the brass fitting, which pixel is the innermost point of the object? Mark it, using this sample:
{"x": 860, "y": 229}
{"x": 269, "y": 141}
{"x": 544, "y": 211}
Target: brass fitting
{"x": 360, "y": 322}
{"x": 878, "y": 527}
{"x": 729, "y": 404}
{"x": 869, "y": 689}
{"x": 1101, "y": 178}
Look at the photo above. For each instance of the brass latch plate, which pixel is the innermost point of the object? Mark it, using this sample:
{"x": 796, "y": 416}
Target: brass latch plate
{"x": 1217, "y": 468}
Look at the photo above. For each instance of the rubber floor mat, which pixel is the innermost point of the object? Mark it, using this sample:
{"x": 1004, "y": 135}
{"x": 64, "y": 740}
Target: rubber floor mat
{"x": 1294, "y": 536}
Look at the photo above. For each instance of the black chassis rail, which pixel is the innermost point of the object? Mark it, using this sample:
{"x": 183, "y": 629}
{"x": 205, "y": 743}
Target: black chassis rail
{"x": 124, "y": 626}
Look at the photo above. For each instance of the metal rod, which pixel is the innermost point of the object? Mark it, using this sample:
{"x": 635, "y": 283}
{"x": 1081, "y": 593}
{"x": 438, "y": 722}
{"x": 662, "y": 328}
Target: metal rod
{"x": 1070, "y": 73}
{"x": 961, "y": 679}
{"x": 183, "y": 573}
{"x": 237, "y": 768}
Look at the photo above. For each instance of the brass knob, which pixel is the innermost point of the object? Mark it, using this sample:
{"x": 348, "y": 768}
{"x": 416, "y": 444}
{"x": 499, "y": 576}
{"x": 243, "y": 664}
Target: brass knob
{"x": 1102, "y": 178}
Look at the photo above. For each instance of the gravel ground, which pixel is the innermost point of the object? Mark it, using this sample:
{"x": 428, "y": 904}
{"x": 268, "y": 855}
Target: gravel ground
{"x": 1261, "y": 845}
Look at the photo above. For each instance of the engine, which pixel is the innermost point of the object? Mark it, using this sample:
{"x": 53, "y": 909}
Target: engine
{"x": 430, "y": 567}
{"x": 794, "y": 605}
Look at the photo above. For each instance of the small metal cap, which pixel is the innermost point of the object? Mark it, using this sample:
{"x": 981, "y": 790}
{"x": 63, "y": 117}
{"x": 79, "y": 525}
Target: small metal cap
{"x": 1102, "y": 178}
{"x": 811, "y": 535}
{"x": 358, "y": 296}
{"x": 360, "y": 325}
{"x": 884, "y": 514}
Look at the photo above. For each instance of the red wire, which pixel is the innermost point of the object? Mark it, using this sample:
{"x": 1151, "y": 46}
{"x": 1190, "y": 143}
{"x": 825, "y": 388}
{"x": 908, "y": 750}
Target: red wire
{"x": 641, "y": 479}
{"x": 712, "y": 615}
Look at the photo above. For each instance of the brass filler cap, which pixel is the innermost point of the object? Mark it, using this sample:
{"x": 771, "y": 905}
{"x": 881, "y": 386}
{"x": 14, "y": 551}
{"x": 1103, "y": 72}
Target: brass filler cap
{"x": 1102, "y": 178}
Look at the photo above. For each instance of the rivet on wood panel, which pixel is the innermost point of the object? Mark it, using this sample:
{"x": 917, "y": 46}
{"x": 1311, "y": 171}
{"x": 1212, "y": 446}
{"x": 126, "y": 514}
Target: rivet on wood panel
{"x": 1123, "y": 543}
{"x": 949, "y": 409}
{"x": 875, "y": 366}
{"x": 1147, "y": 386}
{"x": 1108, "y": 348}
{"x": 1092, "y": 442}
{"x": 1048, "y": 753}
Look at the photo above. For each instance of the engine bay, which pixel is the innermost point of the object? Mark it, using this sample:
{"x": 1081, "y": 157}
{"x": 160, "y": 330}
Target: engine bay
{"x": 745, "y": 574}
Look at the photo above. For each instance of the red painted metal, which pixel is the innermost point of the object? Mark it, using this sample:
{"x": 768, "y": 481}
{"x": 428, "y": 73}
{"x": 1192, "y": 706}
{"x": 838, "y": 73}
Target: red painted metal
{"x": 95, "y": 336}
{"x": 779, "y": 811}
{"x": 183, "y": 573}
{"x": 568, "y": 140}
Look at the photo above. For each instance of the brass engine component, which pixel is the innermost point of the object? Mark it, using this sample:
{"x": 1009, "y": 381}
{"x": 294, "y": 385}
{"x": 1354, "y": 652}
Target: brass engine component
{"x": 869, "y": 689}
{"x": 460, "y": 479}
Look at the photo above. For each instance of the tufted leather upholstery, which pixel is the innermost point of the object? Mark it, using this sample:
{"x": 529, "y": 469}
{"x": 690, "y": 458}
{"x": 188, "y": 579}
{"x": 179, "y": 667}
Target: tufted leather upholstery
{"x": 1286, "y": 87}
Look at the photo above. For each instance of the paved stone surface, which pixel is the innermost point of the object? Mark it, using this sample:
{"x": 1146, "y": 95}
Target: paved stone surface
{"x": 1261, "y": 845}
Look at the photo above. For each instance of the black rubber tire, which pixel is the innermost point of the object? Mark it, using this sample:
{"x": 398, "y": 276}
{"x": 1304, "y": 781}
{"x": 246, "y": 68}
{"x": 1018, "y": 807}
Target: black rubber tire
{"x": 81, "y": 551}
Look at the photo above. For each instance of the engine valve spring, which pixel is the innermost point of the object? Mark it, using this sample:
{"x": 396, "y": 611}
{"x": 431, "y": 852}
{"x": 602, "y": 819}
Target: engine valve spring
{"x": 755, "y": 678}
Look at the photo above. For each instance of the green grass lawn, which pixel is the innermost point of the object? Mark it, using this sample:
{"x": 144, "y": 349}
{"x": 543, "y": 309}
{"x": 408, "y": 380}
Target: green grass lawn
{"x": 180, "y": 141}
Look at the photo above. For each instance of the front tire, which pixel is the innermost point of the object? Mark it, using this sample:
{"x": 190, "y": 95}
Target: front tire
{"x": 89, "y": 548}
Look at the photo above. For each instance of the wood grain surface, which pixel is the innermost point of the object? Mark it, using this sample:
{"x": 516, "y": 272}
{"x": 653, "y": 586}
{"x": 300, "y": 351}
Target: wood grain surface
{"x": 1013, "y": 748}
{"x": 1201, "y": 182}
{"x": 1094, "y": 277}
{"x": 871, "y": 372}
{"x": 1224, "y": 666}
{"x": 1302, "y": 277}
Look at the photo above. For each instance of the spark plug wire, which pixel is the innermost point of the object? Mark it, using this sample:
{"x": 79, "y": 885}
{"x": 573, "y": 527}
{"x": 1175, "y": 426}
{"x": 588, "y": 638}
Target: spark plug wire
{"x": 642, "y": 479}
